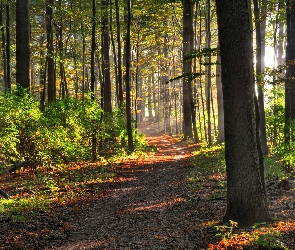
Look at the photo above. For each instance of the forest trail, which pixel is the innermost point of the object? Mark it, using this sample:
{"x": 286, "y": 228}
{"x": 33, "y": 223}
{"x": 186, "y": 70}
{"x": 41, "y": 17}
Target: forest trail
{"x": 149, "y": 203}
{"x": 146, "y": 208}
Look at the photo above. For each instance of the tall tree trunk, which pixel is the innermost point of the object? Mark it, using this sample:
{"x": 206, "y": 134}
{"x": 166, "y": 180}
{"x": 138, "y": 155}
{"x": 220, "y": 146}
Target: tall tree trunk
{"x": 115, "y": 56}
{"x": 61, "y": 65}
{"x": 23, "y": 62}
{"x": 259, "y": 77}
{"x": 187, "y": 68}
{"x": 83, "y": 60}
{"x": 50, "y": 50}
{"x": 107, "y": 97}
{"x": 192, "y": 101}
{"x": 127, "y": 83}
{"x": 290, "y": 56}
{"x": 246, "y": 198}
{"x": 93, "y": 48}
{"x": 208, "y": 89}
{"x": 3, "y": 47}
{"x": 8, "y": 61}
{"x": 220, "y": 137}
{"x": 166, "y": 97}
{"x": 120, "y": 74}
{"x": 290, "y": 72}
{"x": 92, "y": 85}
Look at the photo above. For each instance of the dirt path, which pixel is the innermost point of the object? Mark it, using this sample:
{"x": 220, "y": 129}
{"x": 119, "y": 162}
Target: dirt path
{"x": 149, "y": 204}
{"x": 146, "y": 209}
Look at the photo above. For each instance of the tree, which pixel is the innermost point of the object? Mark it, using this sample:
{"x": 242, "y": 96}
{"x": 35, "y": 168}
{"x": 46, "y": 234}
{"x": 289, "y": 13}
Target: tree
{"x": 50, "y": 50}
{"x": 187, "y": 69}
{"x": 127, "y": 78}
{"x": 107, "y": 98}
{"x": 290, "y": 73}
{"x": 23, "y": 73}
{"x": 8, "y": 75}
{"x": 220, "y": 137}
{"x": 246, "y": 197}
{"x": 260, "y": 37}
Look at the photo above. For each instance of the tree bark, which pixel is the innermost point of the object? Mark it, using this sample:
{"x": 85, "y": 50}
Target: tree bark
{"x": 107, "y": 97}
{"x": 8, "y": 61}
{"x": 49, "y": 57}
{"x": 208, "y": 87}
{"x": 127, "y": 83}
{"x": 220, "y": 137}
{"x": 259, "y": 77}
{"x": 187, "y": 68}
{"x": 290, "y": 72}
{"x": 120, "y": 73}
{"x": 246, "y": 198}
{"x": 23, "y": 62}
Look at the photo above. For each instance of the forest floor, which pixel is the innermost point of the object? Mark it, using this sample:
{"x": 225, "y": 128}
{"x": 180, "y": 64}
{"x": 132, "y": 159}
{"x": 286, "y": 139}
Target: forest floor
{"x": 150, "y": 203}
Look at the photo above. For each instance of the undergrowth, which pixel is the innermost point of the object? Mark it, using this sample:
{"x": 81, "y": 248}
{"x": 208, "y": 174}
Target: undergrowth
{"x": 208, "y": 177}
{"x": 39, "y": 190}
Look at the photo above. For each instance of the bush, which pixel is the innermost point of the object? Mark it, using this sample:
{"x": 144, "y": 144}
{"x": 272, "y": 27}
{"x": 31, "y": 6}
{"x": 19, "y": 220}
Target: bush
{"x": 62, "y": 133}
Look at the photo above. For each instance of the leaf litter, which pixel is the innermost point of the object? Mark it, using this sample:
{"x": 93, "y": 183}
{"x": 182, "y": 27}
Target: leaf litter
{"x": 148, "y": 202}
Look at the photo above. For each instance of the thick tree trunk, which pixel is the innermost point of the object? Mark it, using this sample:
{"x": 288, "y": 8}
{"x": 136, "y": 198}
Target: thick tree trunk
{"x": 246, "y": 198}
{"x": 23, "y": 62}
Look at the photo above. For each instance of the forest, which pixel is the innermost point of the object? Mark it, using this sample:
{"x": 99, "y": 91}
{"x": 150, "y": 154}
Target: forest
{"x": 156, "y": 124}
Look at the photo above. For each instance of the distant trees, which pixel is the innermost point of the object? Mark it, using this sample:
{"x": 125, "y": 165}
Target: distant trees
{"x": 75, "y": 56}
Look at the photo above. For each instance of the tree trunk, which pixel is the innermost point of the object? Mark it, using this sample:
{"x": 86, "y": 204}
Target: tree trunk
{"x": 127, "y": 83}
{"x": 291, "y": 67}
{"x": 290, "y": 72}
{"x": 220, "y": 137}
{"x": 23, "y": 62}
{"x": 120, "y": 74}
{"x": 246, "y": 198}
{"x": 187, "y": 68}
{"x": 92, "y": 85}
{"x": 107, "y": 98}
{"x": 49, "y": 56}
{"x": 8, "y": 61}
{"x": 3, "y": 47}
{"x": 208, "y": 89}
{"x": 259, "y": 77}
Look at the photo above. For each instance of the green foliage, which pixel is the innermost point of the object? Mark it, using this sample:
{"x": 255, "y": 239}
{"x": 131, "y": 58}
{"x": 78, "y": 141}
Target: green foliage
{"x": 201, "y": 53}
{"x": 266, "y": 238}
{"x": 209, "y": 160}
{"x": 19, "y": 120}
{"x": 275, "y": 118}
{"x": 65, "y": 130}
{"x": 187, "y": 76}
{"x": 226, "y": 231}
{"x": 63, "y": 133}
